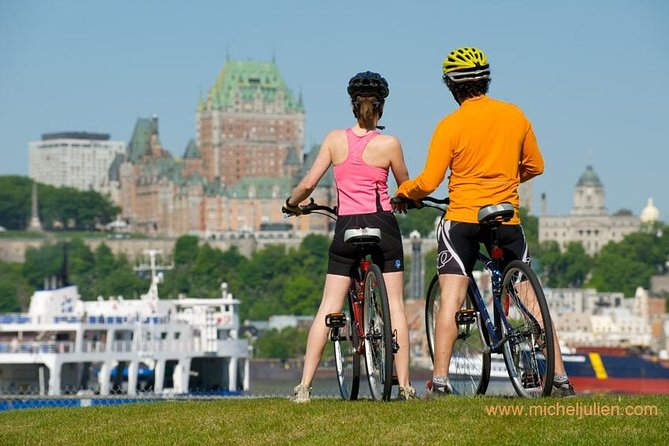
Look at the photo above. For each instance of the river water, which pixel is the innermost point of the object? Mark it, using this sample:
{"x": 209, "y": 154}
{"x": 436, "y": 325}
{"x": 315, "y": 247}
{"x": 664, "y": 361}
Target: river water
{"x": 278, "y": 380}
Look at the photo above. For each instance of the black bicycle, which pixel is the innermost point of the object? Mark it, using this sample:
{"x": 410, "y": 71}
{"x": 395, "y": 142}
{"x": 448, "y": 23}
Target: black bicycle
{"x": 362, "y": 328}
{"x": 519, "y": 328}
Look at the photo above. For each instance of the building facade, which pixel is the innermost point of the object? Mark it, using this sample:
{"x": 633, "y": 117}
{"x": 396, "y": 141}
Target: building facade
{"x": 587, "y": 317}
{"x": 249, "y": 125}
{"x": 589, "y": 223}
{"x": 74, "y": 159}
{"x": 234, "y": 180}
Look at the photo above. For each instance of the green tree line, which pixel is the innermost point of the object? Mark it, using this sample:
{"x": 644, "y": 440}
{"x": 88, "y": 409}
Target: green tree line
{"x": 59, "y": 207}
{"x": 280, "y": 280}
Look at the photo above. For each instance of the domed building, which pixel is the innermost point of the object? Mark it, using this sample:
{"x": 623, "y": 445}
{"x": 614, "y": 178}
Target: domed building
{"x": 589, "y": 222}
{"x": 650, "y": 214}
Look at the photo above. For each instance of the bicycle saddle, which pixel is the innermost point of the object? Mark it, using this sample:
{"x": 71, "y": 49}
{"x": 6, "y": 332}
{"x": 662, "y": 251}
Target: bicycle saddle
{"x": 495, "y": 213}
{"x": 359, "y": 236}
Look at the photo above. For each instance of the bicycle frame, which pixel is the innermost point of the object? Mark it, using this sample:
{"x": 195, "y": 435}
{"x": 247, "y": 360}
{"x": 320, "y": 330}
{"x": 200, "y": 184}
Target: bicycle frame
{"x": 358, "y": 301}
{"x": 510, "y": 327}
{"x": 368, "y": 318}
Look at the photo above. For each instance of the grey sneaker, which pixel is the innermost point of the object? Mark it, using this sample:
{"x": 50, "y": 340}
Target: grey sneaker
{"x": 301, "y": 394}
{"x": 406, "y": 393}
{"x": 564, "y": 389}
{"x": 437, "y": 391}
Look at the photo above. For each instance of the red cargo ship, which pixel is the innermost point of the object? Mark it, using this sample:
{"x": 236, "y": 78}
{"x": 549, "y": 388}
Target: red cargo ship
{"x": 616, "y": 370}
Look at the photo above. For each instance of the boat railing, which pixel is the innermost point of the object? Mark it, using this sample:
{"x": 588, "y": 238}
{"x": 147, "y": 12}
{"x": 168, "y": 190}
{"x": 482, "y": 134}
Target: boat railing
{"x": 34, "y": 347}
{"x": 93, "y": 347}
{"x": 15, "y": 318}
{"x": 167, "y": 346}
{"x": 120, "y": 346}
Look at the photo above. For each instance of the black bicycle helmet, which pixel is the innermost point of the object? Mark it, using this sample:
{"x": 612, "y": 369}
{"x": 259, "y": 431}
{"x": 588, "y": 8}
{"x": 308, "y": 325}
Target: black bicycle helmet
{"x": 368, "y": 83}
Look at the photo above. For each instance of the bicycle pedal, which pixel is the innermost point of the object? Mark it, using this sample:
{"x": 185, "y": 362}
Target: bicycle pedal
{"x": 530, "y": 380}
{"x": 335, "y": 320}
{"x": 396, "y": 345}
{"x": 396, "y": 382}
{"x": 465, "y": 316}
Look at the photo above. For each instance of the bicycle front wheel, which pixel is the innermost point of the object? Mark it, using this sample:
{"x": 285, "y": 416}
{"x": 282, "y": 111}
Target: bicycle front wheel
{"x": 529, "y": 351}
{"x": 378, "y": 335}
{"x": 469, "y": 368}
{"x": 347, "y": 359}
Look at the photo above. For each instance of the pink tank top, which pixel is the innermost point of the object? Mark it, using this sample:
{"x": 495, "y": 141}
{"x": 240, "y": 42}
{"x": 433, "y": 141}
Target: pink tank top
{"x": 361, "y": 188}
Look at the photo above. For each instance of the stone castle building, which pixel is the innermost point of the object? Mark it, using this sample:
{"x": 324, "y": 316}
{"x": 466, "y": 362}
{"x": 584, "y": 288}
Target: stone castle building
{"x": 233, "y": 179}
{"x": 250, "y": 125}
{"x": 589, "y": 222}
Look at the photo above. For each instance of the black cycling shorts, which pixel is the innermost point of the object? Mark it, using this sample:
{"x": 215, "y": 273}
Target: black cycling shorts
{"x": 458, "y": 245}
{"x": 388, "y": 254}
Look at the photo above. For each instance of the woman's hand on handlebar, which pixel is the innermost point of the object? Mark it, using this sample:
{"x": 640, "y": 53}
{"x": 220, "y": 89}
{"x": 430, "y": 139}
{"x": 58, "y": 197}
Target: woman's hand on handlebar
{"x": 290, "y": 209}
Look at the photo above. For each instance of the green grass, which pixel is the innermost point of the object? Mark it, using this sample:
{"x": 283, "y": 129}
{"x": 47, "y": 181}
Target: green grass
{"x": 271, "y": 421}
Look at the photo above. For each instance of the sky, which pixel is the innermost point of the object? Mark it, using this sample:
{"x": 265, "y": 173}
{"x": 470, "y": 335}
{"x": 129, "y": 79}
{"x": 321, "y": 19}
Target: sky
{"x": 590, "y": 75}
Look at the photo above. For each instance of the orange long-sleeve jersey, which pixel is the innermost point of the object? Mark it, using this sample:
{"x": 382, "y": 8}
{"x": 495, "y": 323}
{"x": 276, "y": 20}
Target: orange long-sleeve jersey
{"x": 490, "y": 149}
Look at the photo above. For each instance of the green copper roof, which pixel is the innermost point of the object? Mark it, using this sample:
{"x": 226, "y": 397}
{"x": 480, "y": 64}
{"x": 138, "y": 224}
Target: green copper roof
{"x": 192, "y": 152}
{"x": 140, "y": 142}
{"x": 589, "y": 178}
{"x": 242, "y": 80}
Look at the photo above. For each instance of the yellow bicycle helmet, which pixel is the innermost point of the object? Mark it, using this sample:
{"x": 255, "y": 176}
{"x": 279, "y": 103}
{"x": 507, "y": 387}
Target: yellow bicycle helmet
{"x": 466, "y": 64}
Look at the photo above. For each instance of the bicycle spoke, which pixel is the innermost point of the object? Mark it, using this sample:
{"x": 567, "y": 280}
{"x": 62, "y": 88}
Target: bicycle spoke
{"x": 469, "y": 367}
{"x": 528, "y": 343}
{"x": 347, "y": 360}
{"x": 378, "y": 335}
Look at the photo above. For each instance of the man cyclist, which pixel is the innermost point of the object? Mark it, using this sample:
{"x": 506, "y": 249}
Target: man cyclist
{"x": 490, "y": 148}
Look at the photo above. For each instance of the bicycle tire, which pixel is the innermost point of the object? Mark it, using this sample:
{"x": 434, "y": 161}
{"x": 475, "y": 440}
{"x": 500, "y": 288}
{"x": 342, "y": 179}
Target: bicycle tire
{"x": 347, "y": 359}
{"x": 377, "y": 330}
{"x": 469, "y": 368}
{"x": 527, "y": 341}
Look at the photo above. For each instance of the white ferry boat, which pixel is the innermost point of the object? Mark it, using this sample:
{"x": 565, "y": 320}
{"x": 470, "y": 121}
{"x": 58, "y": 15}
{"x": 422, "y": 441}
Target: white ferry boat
{"x": 65, "y": 345}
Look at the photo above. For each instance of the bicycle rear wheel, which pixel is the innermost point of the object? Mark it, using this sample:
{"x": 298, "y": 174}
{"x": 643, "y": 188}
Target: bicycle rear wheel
{"x": 347, "y": 359}
{"x": 469, "y": 368}
{"x": 529, "y": 352}
{"x": 378, "y": 335}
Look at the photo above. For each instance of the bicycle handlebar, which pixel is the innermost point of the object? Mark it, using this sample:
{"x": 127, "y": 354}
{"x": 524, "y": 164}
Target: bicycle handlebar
{"x": 426, "y": 201}
{"x": 310, "y": 208}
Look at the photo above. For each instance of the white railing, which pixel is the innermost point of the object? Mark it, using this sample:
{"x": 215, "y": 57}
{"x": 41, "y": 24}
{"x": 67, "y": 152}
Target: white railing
{"x": 33, "y": 347}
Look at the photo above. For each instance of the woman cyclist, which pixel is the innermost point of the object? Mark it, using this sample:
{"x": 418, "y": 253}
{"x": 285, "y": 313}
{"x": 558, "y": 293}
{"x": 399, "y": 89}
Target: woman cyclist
{"x": 361, "y": 157}
{"x": 489, "y": 147}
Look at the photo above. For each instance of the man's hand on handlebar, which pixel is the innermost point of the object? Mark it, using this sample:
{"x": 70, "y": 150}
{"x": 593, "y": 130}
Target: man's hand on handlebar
{"x": 402, "y": 204}
{"x": 399, "y": 204}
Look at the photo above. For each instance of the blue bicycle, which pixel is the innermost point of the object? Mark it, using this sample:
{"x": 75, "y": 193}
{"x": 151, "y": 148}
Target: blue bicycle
{"x": 519, "y": 327}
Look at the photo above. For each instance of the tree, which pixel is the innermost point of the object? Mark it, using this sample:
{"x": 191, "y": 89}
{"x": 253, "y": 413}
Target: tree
{"x": 72, "y": 208}
{"x": 422, "y": 220}
{"x": 15, "y": 201}
{"x": 531, "y": 229}
{"x": 631, "y": 263}
{"x": 290, "y": 342}
{"x": 14, "y": 289}
{"x": 179, "y": 279}
{"x": 563, "y": 270}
